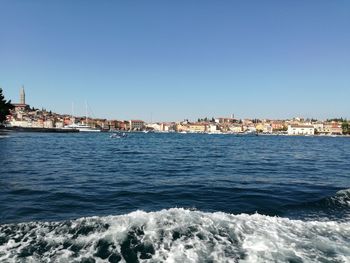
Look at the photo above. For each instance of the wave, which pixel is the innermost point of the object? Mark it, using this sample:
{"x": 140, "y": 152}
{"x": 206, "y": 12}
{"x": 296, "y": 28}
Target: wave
{"x": 336, "y": 207}
{"x": 176, "y": 235}
{"x": 340, "y": 199}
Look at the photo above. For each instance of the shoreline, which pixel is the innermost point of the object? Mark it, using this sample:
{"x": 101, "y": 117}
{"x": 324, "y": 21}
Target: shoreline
{"x": 59, "y": 130}
{"x": 43, "y": 130}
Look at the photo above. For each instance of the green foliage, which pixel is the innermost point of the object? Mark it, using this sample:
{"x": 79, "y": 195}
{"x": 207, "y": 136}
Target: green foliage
{"x": 256, "y": 121}
{"x": 206, "y": 119}
{"x": 5, "y": 107}
{"x": 345, "y": 127}
{"x": 336, "y": 120}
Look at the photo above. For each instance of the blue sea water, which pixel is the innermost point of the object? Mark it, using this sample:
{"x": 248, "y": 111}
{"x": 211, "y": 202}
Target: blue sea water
{"x": 174, "y": 197}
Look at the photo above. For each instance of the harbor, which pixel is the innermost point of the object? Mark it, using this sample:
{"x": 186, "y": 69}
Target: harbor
{"x": 23, "y": 117}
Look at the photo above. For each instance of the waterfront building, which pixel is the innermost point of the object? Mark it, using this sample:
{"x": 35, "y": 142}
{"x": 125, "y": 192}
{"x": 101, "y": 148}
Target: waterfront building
{"x": 68, "y": 121}
{"x": 301, "y": 129}
{"x": 116, "y": 125}
{"x": 59, "y": 124}
{"x": 197, "y": 127}
{"x": 20, "y": 123}
{"x": 332, "y": 128}
{"x": 263, "y": 127}
{"x": 337, "y": 130}
{"x": 249, "y": 128}
{"x": 153, "y": 126}
{"x": 48, "y": 124}
{"x": 125, "y": 125}
{"x": 260, "y": 127}
{"x": 213, "y": 128}
{"x": 38, "y": 123}
{"x": 102, "y": 123}
{"x": 277, "y": 125}
{"x": 167, "y": 127}
{"x": 267, "y": 128}
{"x": 236, "y": 128}
{"x": 319, "y": 127}
{"x": 182, "y": 127}
{"x": 136, "y": 124}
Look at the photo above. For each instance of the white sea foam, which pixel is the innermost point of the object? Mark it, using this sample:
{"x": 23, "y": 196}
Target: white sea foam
{"x": 177, "y": 235}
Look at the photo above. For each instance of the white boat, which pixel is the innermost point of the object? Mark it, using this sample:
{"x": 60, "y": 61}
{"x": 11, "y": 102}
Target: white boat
{"x": 79, "y": 126}
{"x": 82, "y": 128}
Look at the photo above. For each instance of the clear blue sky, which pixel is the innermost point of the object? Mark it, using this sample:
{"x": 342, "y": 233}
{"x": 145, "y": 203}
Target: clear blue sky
{"x": 179, "y": 59}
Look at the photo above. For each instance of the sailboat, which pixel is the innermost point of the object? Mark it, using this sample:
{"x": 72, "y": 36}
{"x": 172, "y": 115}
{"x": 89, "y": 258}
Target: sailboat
{"x": 81, "y": 127}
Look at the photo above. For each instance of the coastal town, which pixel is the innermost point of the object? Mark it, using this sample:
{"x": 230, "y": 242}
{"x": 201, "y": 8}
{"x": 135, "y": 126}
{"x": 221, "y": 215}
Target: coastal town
{"x": 23, "y": 116}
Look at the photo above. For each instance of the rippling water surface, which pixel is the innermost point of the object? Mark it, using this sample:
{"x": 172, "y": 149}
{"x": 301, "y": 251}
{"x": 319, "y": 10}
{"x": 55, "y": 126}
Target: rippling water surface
{"x": 204, "y": 198}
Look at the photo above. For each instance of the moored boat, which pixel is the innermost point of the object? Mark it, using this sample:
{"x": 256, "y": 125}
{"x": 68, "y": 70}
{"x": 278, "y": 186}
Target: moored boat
{"x": 82, "y": 128}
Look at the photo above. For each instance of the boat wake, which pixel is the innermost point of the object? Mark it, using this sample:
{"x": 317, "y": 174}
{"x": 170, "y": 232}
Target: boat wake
{"x": 334, "y": 208}
{"x": 176, "y": 235}
{"x": 340, "y": 199}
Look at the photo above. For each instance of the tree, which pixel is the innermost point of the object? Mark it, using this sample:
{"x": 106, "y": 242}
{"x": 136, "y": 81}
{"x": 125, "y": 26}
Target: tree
{"x": 336, "y": 120}
{"x": 345, "y": 127}
{"x": 5, "y": 107}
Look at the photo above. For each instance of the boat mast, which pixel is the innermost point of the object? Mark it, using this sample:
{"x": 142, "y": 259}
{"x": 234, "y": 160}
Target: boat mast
{"x": 73, "y": 120}
{"x": 86, "y": 112}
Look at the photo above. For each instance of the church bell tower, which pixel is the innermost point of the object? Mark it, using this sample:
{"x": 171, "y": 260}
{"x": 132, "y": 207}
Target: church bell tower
{"x": 22, "y": 96}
